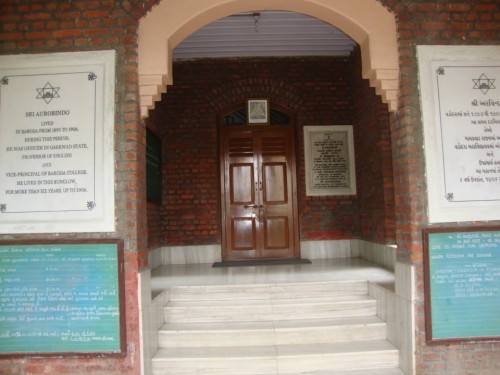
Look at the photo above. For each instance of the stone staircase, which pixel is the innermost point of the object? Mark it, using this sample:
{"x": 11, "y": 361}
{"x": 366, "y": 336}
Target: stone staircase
{"x": 319, "y": 328}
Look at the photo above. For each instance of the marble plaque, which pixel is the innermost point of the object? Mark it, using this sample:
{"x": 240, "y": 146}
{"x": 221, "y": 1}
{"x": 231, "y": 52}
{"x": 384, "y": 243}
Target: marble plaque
{"x": 329, "y": 156}
{"x": 56, "y": 142}
{"x": 460, "y": 96}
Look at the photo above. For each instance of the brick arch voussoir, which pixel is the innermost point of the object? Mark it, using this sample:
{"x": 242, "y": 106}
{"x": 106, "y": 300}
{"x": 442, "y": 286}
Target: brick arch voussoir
{"x": 236, "y": 92}
{"x": 139, "y": 8}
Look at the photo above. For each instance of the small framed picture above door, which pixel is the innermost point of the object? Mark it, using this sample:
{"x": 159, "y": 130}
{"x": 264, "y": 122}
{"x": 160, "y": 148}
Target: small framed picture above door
{"x": 258, "y": 111}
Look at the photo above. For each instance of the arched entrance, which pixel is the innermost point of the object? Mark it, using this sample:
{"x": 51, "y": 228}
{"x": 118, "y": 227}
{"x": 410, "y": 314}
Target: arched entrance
{"x": 371, "y": 25}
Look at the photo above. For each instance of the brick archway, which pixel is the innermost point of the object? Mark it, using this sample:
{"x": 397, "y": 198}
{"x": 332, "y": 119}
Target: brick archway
{"x": 233, "y": 93}
{"x": 371, "y": 25}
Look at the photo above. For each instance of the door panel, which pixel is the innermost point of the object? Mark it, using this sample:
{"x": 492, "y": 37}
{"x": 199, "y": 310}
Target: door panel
{"x": 258, "y": 209}
{"x": 240, "y": 224}
{"x": 244, "y": 234}
{"x": 276, "y": 160}
{"x": 275, "y": 187}
{"x": 242, "y": 183}
{"x": 276, "y": 233}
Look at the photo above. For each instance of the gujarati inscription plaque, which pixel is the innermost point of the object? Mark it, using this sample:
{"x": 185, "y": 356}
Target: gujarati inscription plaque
{"x": 460, "y": 96}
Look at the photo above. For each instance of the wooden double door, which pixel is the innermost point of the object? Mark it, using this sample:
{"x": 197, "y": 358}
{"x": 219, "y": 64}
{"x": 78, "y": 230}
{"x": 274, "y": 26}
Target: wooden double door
{"x": 259, "y": 204}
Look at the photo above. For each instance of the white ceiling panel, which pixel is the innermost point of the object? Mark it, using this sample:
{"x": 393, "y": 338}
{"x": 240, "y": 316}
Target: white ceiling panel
{"x": 265, "y": 33}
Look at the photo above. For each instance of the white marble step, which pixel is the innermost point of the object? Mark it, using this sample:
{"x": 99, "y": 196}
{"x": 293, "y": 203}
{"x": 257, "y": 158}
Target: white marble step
{"x": 337, "y": 356}
{"x": 269, "y": 309}
{"x": 383, "y": 371}
{"x": 267, "y": 291}
{"x": 280, "y": 359}
{"x": 307, "y": 331}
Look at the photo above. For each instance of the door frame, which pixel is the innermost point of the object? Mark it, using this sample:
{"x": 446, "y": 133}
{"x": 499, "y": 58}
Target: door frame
{"x": 293, "y": 169}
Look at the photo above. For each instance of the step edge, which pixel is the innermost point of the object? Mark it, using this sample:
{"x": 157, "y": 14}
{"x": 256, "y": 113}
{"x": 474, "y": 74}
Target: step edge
{"x": 387, "y": 349}
{"x": 266, "y": 302}
{"x": 222, "y": 330}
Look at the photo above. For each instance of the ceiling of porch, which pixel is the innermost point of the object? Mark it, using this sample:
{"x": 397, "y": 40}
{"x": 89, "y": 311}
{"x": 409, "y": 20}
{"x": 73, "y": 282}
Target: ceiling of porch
{"x": 265, "y": 33}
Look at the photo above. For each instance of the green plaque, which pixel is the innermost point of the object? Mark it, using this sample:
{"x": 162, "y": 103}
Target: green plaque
{"x": 61, "y": 298}
{"x": 462, "y": 284}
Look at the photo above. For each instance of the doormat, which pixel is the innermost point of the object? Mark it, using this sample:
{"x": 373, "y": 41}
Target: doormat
{"x": 260, "y": 262}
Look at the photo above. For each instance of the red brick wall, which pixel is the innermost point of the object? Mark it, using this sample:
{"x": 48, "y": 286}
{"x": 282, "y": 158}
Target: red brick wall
{"x": 154, "y": 219}
{"x": 426, "y": 22}
{"x": 319, "y": 91}
{"x": 374, "y": 163}
{"x": 43, "y": 26}
{"x": 37, "y": 26}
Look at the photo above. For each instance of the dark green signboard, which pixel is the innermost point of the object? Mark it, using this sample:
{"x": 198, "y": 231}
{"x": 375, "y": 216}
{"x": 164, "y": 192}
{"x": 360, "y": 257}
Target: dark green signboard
{"x": 462, "y": 284}
{"x": 61, "y": 298}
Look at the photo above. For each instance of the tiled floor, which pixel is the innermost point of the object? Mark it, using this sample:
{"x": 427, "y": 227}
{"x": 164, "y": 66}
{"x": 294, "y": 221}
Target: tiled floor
{"x": 320, "y": 270}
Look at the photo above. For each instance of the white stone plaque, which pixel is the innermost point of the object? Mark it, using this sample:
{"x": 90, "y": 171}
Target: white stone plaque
{"x": 56, "y": 142}
{"x": 460, "y": 96}
{"x": 329, "y": 157}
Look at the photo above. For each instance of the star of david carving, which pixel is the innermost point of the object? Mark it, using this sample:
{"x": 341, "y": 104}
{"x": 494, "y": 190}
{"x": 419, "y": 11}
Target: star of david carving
{"x": 48, "y": 92}
{"x": 484, "y": 84}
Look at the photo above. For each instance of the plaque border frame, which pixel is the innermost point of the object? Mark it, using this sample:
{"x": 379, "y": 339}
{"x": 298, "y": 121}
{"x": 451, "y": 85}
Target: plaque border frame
{"x": 430, "y": 340}
{"x": 310, "y": 190}
{"x": 105, "y": 221}
{"x": 121, "y": 298}
{"x": 437, "y": 211}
